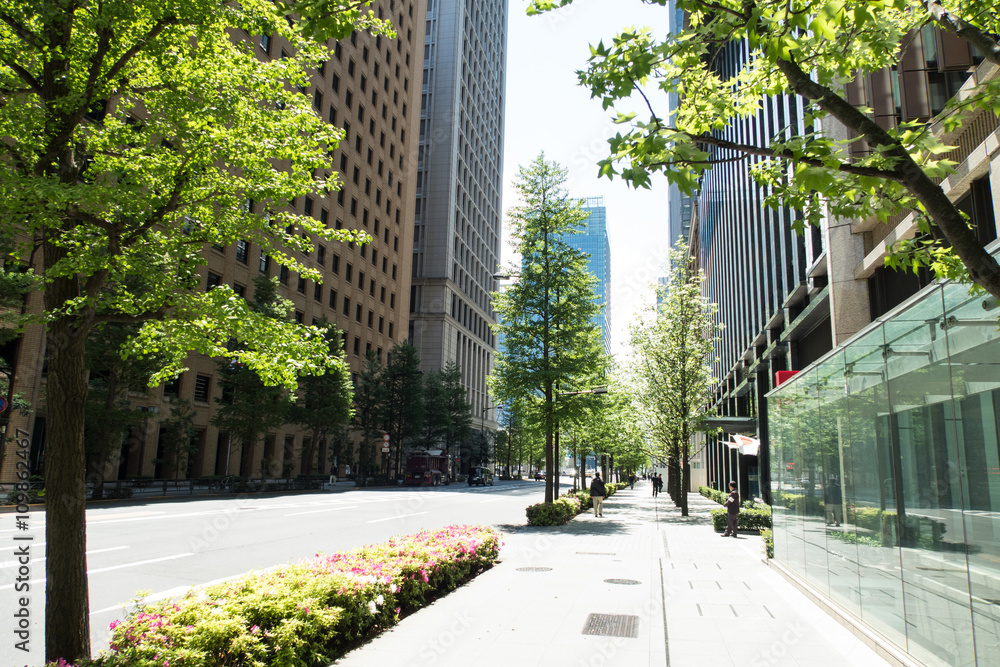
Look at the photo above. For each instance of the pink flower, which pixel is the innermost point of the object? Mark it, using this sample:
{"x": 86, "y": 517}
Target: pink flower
{"x": 111, "y": 626}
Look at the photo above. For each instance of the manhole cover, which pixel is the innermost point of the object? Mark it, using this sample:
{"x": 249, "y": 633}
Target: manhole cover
{"x": 623, "y": 582}
{"x": 534, "y": 569}
{"x": 612, "y": 625}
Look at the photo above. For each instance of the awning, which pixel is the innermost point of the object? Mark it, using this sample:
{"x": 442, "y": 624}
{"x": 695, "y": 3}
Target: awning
{"x": 746, "y": 446}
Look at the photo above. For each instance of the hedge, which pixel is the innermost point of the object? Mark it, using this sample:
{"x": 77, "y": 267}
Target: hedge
{"x": 303, "y": 615}
{"x": 565, "y": 507}
{"x": 756, "y": 519}
{"x": 710, "y": 493}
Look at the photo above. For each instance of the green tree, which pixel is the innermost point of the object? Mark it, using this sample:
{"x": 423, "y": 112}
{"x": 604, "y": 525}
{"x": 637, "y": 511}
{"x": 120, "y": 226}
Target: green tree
{"x": 673, "y": 351}
{"x": 402, "y": 410}
{"x": 368, "y": 400}
{"x": 324, "y": 408}
{"x": 546, "y": 316}
{"x": 806, "y": 49}
{"x": 249, "y": 407}
{"x": 134, "y": 131}
{"x": 109, "y": 413}
{"x": 177, "y": 439}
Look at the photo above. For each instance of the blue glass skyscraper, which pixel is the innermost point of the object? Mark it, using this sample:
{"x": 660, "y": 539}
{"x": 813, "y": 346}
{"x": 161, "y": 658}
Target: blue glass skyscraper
{"x": 593, "y": 240}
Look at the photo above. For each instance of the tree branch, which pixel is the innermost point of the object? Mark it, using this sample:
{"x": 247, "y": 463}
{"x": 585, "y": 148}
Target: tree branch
{"x": 21, "y": 31}
{"x": 970, "y": 33}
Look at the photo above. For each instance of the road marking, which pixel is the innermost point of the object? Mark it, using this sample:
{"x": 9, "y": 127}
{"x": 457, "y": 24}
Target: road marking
{"x": 328, "y": 509}
{"x": 491, "y": 500}
{"x": 398, "y": 516}
{"x": 35, "y": 582}
{"x": 14, "y": 563}
{"x": 122, "y": 515}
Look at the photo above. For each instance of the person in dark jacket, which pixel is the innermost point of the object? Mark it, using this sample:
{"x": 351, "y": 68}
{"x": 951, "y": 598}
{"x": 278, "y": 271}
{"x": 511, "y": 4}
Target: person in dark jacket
{"x": 732, "y": 505}
{"x": 597, "y": 493}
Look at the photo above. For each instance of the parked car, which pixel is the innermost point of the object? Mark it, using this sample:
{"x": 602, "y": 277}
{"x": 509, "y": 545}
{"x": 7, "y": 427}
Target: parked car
{"x": 539, "y": 474}
{"x": 480, "y": 476}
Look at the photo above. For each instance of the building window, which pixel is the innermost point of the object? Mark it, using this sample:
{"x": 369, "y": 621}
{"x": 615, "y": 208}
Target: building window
{"x": 361, "y": 279}
{"x": 371, "y": 319}
{"x": 390, "y": 330}
{"x": 301, "y": 287}
{"x": 357, "y": 312}
{"x": 202, "y": 388}
{"x": 321, "y": 255}
{"x": 214, "y": 280}
{"x": 333, "y": 299}
{"x": 299, "y": 316}
{"x": 318, "y": 292}
{"x": 357, "y": 346}
{"x": 381, "y": 323}
{"x": 265, "y": 44}
{"x": 349, "y": 272}
{"x": 240, "y": 290}
{"x": 283, "y": 275}
{"x": 392, "y": 301}
{"x": 242, "y": 251}
{"x": 335, "y": 263}
{"x": 347, "y": 306}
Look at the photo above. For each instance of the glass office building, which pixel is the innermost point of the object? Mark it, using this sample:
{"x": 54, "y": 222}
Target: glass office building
{"x": 885, "y": 477}
{"x": 593, "y": 240}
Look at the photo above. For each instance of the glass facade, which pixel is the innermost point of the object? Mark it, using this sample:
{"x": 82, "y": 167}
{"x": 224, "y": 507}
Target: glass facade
{"x": 593, "y": 240}
{"x": 885, "y": 477}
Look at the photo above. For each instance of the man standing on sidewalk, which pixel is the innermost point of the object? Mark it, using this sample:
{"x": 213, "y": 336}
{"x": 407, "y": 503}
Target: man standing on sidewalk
{"x": 732, "y": 504}
{"x": 597, "y": 493}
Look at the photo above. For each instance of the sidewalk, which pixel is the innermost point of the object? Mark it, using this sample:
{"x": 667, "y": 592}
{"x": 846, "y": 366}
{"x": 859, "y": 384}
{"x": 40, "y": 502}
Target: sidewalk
{"x": 640, "y": 586}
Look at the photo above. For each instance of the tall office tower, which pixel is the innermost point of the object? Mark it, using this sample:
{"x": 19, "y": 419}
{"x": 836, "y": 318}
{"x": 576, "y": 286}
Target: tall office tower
{"x": 369, "y": 88}
{"x": 679, "y": 205}
{"x": 456, "y": 236}
{"x": 593, "y": 240}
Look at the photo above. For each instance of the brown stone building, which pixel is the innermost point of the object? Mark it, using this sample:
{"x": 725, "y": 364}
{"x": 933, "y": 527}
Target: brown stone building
{"x": 371, "y": 88}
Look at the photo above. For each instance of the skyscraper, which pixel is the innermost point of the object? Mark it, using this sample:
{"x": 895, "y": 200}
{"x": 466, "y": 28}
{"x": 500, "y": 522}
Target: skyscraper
{"x": 593, "y": 240}
{"x": 456, "y": 236}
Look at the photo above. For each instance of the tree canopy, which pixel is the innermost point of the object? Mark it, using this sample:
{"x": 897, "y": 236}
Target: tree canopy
{"x": 807, "y": 49}
{"x": 137, "y": 133}
{"x": 546, "y": 317}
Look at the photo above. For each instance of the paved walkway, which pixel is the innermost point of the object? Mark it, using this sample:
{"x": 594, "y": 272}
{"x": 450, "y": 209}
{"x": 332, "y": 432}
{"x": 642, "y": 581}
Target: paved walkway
{"x": 652, "y": 587}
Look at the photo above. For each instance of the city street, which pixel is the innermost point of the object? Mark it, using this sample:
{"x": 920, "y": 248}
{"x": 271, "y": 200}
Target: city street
{"x": 165, "y": 548}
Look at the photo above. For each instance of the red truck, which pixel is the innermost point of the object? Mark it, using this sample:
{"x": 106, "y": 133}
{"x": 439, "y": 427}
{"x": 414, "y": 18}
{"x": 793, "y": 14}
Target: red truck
{"x": 426, "y": 470}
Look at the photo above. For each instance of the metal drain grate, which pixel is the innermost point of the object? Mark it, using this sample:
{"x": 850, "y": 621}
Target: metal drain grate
{"x": 534, "y": 569}
{"x": 612, "y": 625}
{"x": 623, "y": 582}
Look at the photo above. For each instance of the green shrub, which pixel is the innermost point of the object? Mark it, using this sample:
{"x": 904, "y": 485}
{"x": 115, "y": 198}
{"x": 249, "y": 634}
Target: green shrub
{"x": 768, "y": 536}
{"x": 556, "y": 513}
{"x": 710, "y": 493}
{"x": 757, "y": 519}
{"x": 305, "y": 614}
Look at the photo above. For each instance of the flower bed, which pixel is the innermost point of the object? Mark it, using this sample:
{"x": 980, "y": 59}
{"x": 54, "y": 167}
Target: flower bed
{"x": 310, "y": 613}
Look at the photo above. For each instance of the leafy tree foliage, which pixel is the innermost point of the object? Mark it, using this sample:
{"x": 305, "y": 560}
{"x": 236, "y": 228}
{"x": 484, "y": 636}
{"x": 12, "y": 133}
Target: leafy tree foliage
{"x": 109, "y": 413}
{"x": 402, "y": 416}
{"x": 177, "y": 439}
{"x": 369, "y": 396}
{"x": 324, "y": 408}
{"x": 134, "y": 132}
{"x": 546, "y": 317}
{"x": 673, "y": 352}
{"x": 447, "y": 413}
{"x": 808, "y": 49}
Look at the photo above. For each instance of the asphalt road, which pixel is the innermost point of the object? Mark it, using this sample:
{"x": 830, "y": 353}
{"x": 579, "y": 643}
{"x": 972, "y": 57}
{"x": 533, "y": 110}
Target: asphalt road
{"x": 157, "y": 550}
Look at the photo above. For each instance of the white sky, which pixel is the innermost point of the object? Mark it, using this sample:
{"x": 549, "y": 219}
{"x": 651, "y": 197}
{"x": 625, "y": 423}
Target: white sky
{"x": 547, "y": 110}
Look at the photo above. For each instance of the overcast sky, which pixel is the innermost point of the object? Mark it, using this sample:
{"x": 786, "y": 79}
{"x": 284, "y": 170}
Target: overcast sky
{"x": 548, "y": 111}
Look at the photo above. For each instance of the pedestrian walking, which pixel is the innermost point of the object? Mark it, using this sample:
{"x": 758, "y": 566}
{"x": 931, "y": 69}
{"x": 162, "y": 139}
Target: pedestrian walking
{"x": 732, "y": 505}
{"x": 631, "y": 481}
{"x": 833, "y": 498}
{"x": 657, "y": 484}
{"x": 597, "y": 493}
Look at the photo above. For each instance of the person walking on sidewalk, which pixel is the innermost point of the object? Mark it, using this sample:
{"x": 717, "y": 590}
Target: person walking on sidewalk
{"x": 732, "y": 505}
{"x": 657, "y": 484}
{"x": 597, "y": 493}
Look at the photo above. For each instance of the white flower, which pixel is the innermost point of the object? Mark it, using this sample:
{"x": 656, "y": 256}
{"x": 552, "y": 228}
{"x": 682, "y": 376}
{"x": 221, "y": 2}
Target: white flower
{"x": 393, "y": 588}
{"x": 371, "y": 607}
{"x": 380, "y": 600}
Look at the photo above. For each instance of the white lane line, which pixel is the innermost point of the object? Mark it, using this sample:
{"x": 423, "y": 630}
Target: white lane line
{"x": 328, "y": 509}
{"x": 13, "y": 563}
{"x": 491, "y": 500}
{"x": 35, "y": 582}
{"x": 398, "y": 516}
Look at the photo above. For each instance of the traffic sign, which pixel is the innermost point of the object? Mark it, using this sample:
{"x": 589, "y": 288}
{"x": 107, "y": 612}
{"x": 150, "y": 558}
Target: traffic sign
{"x": 3, "y": 404}
{"x": 385, "y": 450}
{"x": 385, "y": 438}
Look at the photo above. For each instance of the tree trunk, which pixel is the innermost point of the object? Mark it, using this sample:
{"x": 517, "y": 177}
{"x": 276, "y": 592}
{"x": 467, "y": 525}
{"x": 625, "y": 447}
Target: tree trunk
{"x": 67, "y": 607}
{"x": 548, "y": 443}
